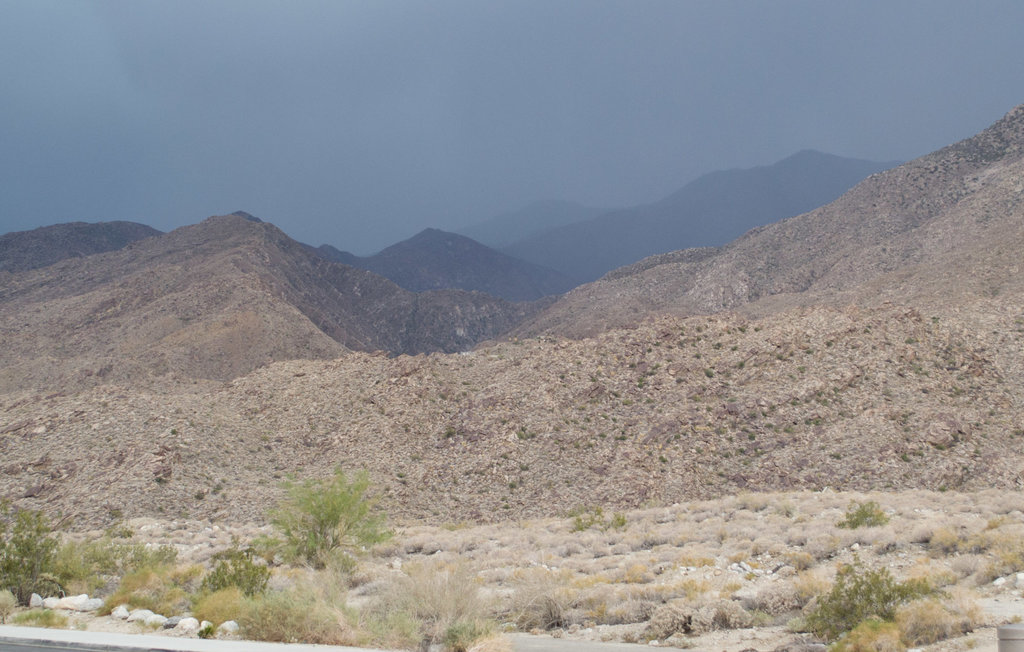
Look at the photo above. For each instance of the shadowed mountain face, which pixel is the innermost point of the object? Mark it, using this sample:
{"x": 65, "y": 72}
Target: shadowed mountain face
{"x": 709, "y": 211}
{"x": 436, "y": 260}
{"x": 947, "y": 224}
{"x": 216, "y": 300}
{"x": 24, "y": 250}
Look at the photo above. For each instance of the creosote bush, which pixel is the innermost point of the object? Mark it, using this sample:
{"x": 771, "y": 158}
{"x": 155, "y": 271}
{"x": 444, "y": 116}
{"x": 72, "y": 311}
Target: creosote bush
{"x": 319, "y": 518}
{"x": 859, "y": 594}
{"x": 27, "y": 551}
{"x": 867, "y": 514}
{"x": 236, "y": 568}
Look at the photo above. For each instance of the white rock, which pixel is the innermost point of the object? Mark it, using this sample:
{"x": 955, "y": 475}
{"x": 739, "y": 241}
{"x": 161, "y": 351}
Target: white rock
{"x": 93, "y": 604}
{"x": 206, "y": 623}
{"x": 999, "y": 581}
{"x": 35, "y": 601}
{"x": 227, "y": 628}
{"x": 187, "y": 626}
{"x": 73, "y": 602}
{"x": 50, "y": 603}
{"x": 120, "y": 612}
{"x": 155, "y": 620}
{"x": 139, "y": 614}
{"x": 1019, "y": 580}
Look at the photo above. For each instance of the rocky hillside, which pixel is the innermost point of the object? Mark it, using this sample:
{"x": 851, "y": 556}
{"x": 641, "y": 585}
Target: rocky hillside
{"x": 949, "y": 223}
{"x": 709, "y": 211}
{"x": 437, "y": 260}
{"x": 885, "y": 398}
{"x": 216, "y": 300}
{"x": 24, "y": 250}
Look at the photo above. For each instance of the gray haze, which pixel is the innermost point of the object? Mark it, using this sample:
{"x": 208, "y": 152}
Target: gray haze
{"x": 360, "y": 123}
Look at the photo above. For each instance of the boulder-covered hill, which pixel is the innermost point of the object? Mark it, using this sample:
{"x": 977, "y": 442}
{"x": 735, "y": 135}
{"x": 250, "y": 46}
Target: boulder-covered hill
{"x": 25, "y": 250}
{"x": 436, "y": 260}
{"x": 709, "y": 211}
{"x": 949, "y": 223}
{"x": 676, "y": 409}
{"x": 216, "y": 300}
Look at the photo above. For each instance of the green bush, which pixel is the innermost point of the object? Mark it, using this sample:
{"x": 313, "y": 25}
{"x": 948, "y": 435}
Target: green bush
{"x": 867, "y": 514}
{"x": 235, "y": 567}
{"x": 859, "y": 594}
{"x": 89, "y": 566}
{"x": 319, "y": 518}
{"x": 27, "y": 551}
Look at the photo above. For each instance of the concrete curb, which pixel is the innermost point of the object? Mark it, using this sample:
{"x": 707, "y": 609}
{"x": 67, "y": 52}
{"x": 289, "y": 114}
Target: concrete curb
{"x": 108, "y": 642}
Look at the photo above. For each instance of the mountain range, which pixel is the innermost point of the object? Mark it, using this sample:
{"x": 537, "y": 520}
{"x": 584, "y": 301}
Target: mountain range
{"x": 709, "y": 211}
{"x": 875, "y": 342}
{"x": 437, "y": 260}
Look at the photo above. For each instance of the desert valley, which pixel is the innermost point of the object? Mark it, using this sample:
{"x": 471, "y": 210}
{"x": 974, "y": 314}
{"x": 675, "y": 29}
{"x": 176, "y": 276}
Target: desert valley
{"x": 670, "y": 454}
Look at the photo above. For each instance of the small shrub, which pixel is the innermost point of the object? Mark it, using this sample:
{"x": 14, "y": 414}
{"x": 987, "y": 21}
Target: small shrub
{"x": 541, "y": 600}
{"x": 872, "y": 635}
{"x": 220, "y": 606}
{"x": 444, "y": 599}
{"x": 161, "y": 589}
{"x": 294, "y": 616}
{"x": 236, "y": 568}
{"x": 858, "y": 594}
{"x": 7, "y": 604}
{"x": 923, "y": 622}
{"x": 41, "y": 618}
{"x": 318, "y": 518}
{"x": 867, "y": 514}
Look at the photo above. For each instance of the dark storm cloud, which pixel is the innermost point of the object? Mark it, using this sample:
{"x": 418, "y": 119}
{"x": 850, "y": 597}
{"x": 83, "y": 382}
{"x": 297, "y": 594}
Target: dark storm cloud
{"x": 359, "y": 123}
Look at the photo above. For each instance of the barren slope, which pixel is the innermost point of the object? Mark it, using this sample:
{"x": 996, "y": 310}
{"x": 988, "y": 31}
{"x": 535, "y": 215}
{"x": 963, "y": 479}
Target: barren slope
{"x": 885, "y": 398}
{"x": 216, "y": 300}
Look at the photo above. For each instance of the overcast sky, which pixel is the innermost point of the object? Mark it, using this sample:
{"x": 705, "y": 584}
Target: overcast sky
{"x": 359, "y": 123}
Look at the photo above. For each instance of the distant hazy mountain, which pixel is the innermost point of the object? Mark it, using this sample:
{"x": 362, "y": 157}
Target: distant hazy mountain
{"x": 709, "y": 211}
{"x": 934, "y": 230}
{"x": 437, "y": 260}
{"x": 42, "y": 247}
{"x": 508, "y": 228}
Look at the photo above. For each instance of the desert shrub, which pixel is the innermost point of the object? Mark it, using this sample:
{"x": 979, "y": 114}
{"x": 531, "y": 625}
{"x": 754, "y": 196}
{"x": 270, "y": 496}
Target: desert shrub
{"x": 296, "y": 615}
{"x": 541, "y": 600}
{"x": 872, "y": 635}
{"x": 41, "y": 618}
{"x": 161, "y": 589}
{"x": 668, "y": 620}
{"x": 235, "y": 568}
{"x": 444, "y": 598}
{"x": 800, "y": 560}
{"x": 88, "y": 566}
{"x": 945, "y": 541}
{"x": 1007, "y": 556}
{"x": 927, "y": 621}
{"x": 860, "y": 593}
{"x": 7, "y": 604}
{"x": 321, "y": 517}
{"x": 220, "y": 606}
{"x": 27, "y": 550}
{"x": 866, "y": 514}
